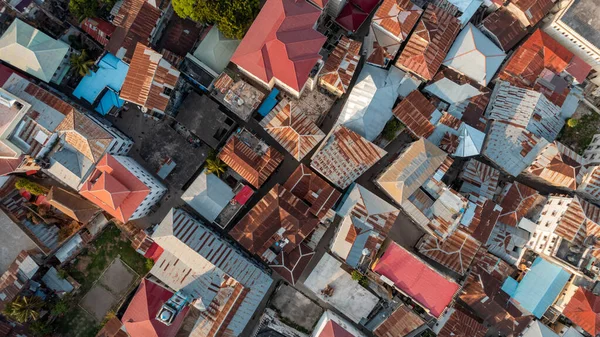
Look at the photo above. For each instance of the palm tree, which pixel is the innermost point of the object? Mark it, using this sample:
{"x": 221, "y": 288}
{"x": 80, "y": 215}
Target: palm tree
{"x": 81, "y": 63}
{"x": 215, "y": 166}
{"x": 24, "y": 309}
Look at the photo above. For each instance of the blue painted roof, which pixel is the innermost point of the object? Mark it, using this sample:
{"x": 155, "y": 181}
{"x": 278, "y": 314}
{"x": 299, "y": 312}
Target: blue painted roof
{"x": 269, "y": 103}
{"x": 539, "y": 288}
{"x": 111, "y": 73}
{"x": 108, "y": 101}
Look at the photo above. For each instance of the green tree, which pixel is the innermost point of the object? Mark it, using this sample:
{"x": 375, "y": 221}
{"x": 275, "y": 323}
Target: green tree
{"x": 60, "y": 308}
{"x": 30, "y": 186}
{"x": 24, "y": 308}
{"x": 149, "y": 264}
{"x": 82, "y": 9}
{"x": 215, "y": 165}
{"x": 81, "y": 63}
{"x": 391, "y": 128}
{"x": 40, "y": 329}
{"x": 232, "y": 17}
{"x": 572, "y": 122}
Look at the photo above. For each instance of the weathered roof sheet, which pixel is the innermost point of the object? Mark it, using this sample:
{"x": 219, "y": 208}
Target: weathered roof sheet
{"x": 289, "y": 126}
{"x": 456, "y": 252}
{"x": 278, "y": 217}
{"x": 85, "y": 135}
{"x": 590, "y": 183}
{"x": 534, "y": 10}
{"x": 468, "y": 99}
{"x": 344, "y": 156}
{"x": 254, "y": 167}
{"x": 281, "y": 43}
{"x": 580, "y": 221}
{"x": 291, "y": 265}
{"x": 391, "y": 24}
{"x": 400, "y": 323}
{"x": 148, "y": 77}
{"x": 202, "y": 265}
{"x": 313, "y": 190}
{"x": 208, "y": 195}
{"x": 474, "y": 55}
{"x": 415, "y": 111}
{"x": 429, "y": 43}
{"x": 412, "y": 168}
{"x": 503, "y": 28}
{"x": 460, "y": 324}
{"x": 32, "y": 51}
{"x": 72, "y": 204}
{"x": 369, "y": 105}
{"x": 558, "y": 165}
{"x": 216, "y": 50}
{"x": 479, "y": 178}
{"x": 341, "y": 64}
{"x": 16, "y": 277}
{"x": 517, "y": 200}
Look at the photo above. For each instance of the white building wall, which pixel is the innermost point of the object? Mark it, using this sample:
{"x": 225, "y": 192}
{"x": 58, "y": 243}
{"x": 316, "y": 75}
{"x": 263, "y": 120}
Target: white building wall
{"x": 157, "y": 189}
{"x": 592, "y": 152}
{"x": 544, "y": 240}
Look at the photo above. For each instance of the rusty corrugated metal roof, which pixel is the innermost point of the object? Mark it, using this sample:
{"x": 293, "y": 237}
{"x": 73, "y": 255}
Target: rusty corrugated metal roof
{"x": 85, "y": 135}
{"x": 147, "y": 78}
{"x": 460, "y": 324}
{"x": 429, "y": 43}
{"x": 503, "y": 28}
{"x": 415, "y": 112}
{"x": 557, "y": 165}
{"x": 289, "y": 126}
{"x": 341, "y": 65}
{"x": 456, "y": 252}
{"x": 312, "y": 189}
{"x": 517, "y": 201}
{"x": 400, "y": 323}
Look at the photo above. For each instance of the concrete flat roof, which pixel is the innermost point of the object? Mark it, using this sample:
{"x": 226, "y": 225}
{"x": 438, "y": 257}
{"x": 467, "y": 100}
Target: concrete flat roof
{"x": 582, "y": 17}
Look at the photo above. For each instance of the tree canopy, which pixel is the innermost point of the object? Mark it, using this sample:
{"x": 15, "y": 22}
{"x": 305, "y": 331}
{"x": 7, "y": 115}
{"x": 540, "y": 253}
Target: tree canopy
{"x": 232, "y": 17}
{"x": 82, "y": 9}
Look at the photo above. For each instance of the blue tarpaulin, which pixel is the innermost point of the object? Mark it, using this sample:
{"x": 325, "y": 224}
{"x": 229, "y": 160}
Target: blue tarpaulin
{"x": 269, "y": 103}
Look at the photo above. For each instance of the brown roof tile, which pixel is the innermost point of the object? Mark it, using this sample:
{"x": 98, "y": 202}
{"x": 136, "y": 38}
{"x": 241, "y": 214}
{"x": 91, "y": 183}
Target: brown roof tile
{"x": 415, "y": 112}
{"x": 400, "y": 323}
{"x": 312, "y": 189}
{"x": 254, "y": 167}
{"x": 429, "y": 43}
{"x": 146, "y": 79}
{"x": 297, "y": 133}
{"x": 503, "y": 28}
{"x": 279, "y": 215}
{"x": 341, "y": 65}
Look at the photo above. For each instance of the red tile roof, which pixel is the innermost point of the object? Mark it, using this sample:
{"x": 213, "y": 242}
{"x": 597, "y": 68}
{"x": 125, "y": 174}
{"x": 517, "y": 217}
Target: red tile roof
{"x": 415, "y": 278}
{"x": 147, "y": 78}
{"x": 460, "y": 324}
{"x": 281, "y": 43}
{"x": 415, "y": 112}
{"x": 116, "y": 190}
{"x": 140, "y": 317}
{"x": 278, "y": 216}
{"x": 584, "y": 310}
{"x": 98, "y": 29}
{"x": 429, "y": 43}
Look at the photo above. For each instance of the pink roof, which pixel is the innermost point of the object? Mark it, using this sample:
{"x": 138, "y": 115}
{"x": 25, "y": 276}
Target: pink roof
{"x": 114, "y": 188}
{"x": 578, "y": 68}
{"x": 281, "y": 43}
{"x": 5, "y": 73}
{"x": 140, "y": 317}
{"x": 332, "y": 329}
{"x": 243, "y": 195}
{"x": 415, "y": 278}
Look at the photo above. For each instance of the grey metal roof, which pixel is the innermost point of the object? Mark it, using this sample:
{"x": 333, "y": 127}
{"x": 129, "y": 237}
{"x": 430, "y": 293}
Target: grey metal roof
{"x": 208, "y": 195}
{"x": 69, "y": 166}
{"x": 194, "y": 251}
{"x": 32, "y": 51}
{"x": 215, "y": 50}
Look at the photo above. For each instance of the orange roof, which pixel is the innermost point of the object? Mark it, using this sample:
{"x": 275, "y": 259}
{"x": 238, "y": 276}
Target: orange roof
{"x": 254, "y": 167}
{"x": 147, "y": 78}
{"x": 116, "y": 190}
{"x": 429, "y": 43}
{"x": 584, "y": 310}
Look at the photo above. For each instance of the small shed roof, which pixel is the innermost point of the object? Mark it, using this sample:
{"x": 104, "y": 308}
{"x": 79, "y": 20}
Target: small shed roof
{"x": 208, "y": 195}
